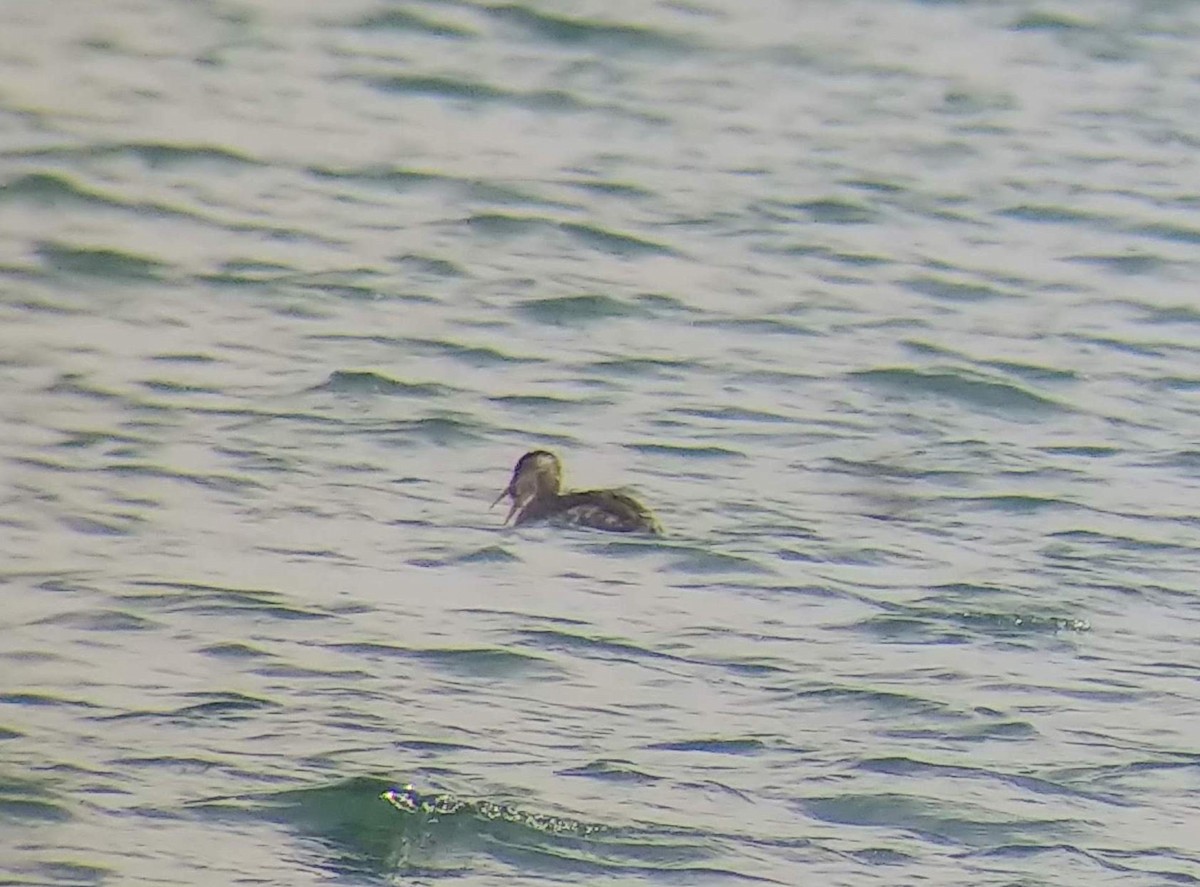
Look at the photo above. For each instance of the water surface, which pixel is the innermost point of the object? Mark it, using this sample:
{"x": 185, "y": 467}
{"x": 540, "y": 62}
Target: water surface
{"x": 888, "y": 309}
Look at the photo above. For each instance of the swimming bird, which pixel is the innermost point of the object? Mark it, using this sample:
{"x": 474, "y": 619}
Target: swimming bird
{"x": 537, "y": 494}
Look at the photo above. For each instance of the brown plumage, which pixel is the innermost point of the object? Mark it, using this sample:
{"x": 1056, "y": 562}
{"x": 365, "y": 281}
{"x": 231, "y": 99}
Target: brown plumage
{"x": 537, "y": 494}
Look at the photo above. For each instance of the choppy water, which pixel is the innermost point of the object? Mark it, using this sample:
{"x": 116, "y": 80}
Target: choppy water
{"x": 888, "y": 308}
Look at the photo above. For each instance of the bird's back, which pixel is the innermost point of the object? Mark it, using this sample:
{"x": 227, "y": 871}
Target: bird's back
{"x": 609, "y": 510}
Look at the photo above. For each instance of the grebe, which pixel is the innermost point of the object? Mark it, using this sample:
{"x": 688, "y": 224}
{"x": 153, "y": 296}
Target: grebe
{"x": 536, "y": 491}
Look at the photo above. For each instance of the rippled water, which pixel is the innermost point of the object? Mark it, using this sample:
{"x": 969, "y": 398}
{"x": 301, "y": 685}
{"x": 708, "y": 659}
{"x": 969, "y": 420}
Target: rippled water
{"x": 888, "y": 309}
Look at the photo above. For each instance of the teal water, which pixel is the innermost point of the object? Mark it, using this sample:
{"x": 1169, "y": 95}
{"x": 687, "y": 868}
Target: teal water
{"x": 887, "y": 308}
